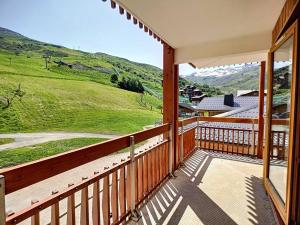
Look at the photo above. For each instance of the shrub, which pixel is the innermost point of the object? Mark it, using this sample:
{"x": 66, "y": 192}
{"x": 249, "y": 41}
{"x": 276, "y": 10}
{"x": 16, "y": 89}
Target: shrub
{"x": 114, "y": 78}
{"x": 131, "y": 84}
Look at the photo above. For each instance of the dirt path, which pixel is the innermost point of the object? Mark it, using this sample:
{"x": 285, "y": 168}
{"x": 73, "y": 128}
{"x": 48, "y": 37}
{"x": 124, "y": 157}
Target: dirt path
{"x": 28, "y": 139}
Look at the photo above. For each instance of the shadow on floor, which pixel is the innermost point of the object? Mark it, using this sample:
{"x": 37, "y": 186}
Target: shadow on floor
{"x": 257, "y": 202}
{"x": 182, "y": 200}
{"x": 169, "y": 204}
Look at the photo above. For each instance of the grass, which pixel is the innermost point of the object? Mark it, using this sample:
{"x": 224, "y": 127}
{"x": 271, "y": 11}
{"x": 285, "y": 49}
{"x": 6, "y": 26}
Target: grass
{"x": 72, "y": 105}
{"x": 6, "y": 140}
{"x": 26, "y": 154}
{"x": 73, "y": 99}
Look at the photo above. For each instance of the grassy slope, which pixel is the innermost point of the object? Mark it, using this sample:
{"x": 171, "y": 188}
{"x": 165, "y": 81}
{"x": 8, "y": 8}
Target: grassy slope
{"x": 21, "y": 155}
{"x": 70, "y": 99}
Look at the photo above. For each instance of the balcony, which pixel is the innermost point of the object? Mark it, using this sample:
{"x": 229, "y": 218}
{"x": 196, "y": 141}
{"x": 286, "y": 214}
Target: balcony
{"x": 212, "y": 177}
{"x": 211, "y": 188}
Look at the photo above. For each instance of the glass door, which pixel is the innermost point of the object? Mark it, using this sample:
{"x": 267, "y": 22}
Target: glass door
{"x": 280, "y": 121}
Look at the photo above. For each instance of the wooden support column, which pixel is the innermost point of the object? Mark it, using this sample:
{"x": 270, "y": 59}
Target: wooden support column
{"x": 170, "y": 94}
{"x": 261, "y": 110}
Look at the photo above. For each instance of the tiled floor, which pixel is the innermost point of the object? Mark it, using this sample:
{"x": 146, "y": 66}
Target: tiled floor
{"x": 212, "y": 189}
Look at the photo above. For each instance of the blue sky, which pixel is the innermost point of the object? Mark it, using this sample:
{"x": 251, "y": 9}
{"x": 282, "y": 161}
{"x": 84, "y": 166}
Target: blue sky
{"x": 89, "y": 25}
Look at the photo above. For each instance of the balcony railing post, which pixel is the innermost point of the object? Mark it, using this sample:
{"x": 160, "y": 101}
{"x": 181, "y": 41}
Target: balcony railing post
{"x": 181, "y": 145}
{"x": 135, "y": 215}
{"x": 198, "y": 134}
{"x": 171, "y": 174}
{"x": 253, "y": 138}
{"x": 2, "y": 200}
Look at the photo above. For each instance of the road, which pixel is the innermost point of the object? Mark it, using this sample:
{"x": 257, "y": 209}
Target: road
{"x": 28, "y": 139}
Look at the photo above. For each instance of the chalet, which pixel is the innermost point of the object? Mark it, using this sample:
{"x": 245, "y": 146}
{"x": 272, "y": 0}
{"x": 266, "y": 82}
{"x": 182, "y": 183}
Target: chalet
{"x": 211, "y": 106}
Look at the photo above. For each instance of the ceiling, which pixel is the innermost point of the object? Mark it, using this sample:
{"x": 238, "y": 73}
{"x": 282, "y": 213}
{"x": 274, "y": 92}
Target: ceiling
{"x": 210, "y": 32}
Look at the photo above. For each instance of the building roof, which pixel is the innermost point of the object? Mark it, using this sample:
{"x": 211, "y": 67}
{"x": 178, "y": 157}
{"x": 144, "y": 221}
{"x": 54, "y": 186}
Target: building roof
{"x": 187, "y": 106}
{"x": 217, "y": 103}
{"x": 245, "y": 92}
{"x": 210, "y": 33}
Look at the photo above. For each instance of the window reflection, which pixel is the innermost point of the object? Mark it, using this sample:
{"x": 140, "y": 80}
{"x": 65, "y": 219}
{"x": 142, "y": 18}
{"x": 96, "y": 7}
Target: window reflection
{"x": 281, "y": 105}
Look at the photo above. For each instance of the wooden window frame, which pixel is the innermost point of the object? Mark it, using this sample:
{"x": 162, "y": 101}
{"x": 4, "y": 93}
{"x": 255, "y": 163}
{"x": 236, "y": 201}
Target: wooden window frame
{"x": 284, "y": 210}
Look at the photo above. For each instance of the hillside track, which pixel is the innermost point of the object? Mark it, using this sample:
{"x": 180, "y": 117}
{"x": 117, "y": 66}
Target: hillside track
{"x": 29, "y": 139}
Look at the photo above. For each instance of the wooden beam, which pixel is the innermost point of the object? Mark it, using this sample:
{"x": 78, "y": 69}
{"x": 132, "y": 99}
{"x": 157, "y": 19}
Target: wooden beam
{"x": 128, "y": 15}
{"x": 141, "y": 25}
{"x": 135, "y": 21}
{"x": 170, "y": 93}
{"x": 289, "y": 13}
{"x": 261, "y": 109}
{"x": 113, "y": 4}
{"x": 121, "y": 10}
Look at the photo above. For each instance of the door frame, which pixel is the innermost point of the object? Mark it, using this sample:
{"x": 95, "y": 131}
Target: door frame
{"x": 283, "y": 209}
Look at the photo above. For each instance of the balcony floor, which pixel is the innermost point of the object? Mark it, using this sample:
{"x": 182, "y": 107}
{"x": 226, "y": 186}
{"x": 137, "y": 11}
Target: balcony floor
{"x": 212, "y": 189}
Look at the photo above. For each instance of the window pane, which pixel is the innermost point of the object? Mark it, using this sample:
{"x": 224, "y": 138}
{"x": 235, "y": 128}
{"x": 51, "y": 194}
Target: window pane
{"x": 281, "y": 105}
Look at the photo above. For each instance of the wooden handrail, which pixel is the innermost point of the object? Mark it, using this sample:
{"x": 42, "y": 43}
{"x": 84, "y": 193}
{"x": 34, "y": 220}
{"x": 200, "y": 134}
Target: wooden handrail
{"x": 55, "y": 198}
{"x": 229, "y": 120}
{"x": 280, "y": 121}
{"x": 188, "y": 121}
{"x": 218, "y": 119}
{"x": 22, "y": 176}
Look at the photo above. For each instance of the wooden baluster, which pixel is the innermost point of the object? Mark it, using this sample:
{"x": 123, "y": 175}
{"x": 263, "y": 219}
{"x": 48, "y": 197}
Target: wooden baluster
{"x": 84, "y": 212}
{"x": 153, "y": 168}
{"x": 128, "y": 187}
{"x": 272, "y": 144}
{"x": 222, "y": 148}
{"x": 106, "y": 200}
{"x": 206, "y": 137}
{"x": 227, "y": 140}
{"x": 114, "y": 196}
{"x": 278, "y": 143}
{"x": 96, "y": 202}
{"x": 213, "y": 138}
{"x": 283, "y": 144}
{"x": 238, "y": 141}
{"x": 200, "y": 137}
{"x": 145, "y": 172}
{"x": 248, "y": 145}
{"x": 209, "y": 139}
{"x": 55, "y": 211}
{"x": 35, "y": 219}
{"x": 160, "y": 163}
{"x": 136, "y": 180}
{"x": 71, "y": 208}
{"x": 122, "y": 190}
{"x": 150, "y": 175}
{"x": 167, "y": 158}
{"x": 157, "y": 165}
{"x": 232, "y": 145}
{"x": 242, "y": 132}
{"x": 218, "y": 139}
{"x": 140, "y": 178}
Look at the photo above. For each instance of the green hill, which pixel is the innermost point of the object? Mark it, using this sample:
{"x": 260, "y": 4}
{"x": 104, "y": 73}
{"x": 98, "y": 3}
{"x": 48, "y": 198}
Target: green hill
{"x": 74, "y": 92}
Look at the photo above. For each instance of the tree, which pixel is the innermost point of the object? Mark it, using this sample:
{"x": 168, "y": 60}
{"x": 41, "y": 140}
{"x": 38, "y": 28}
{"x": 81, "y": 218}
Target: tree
{"x": 11, "y": 95}
{"x": 131, "y": 84}
{"x": 114, "y": 78}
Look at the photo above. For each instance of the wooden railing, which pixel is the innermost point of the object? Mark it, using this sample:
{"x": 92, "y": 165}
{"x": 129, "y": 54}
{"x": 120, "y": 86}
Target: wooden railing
{"x": 107, "y": 197}
{"x": 113, "y": 195}
{"x": 233, "y": 140}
